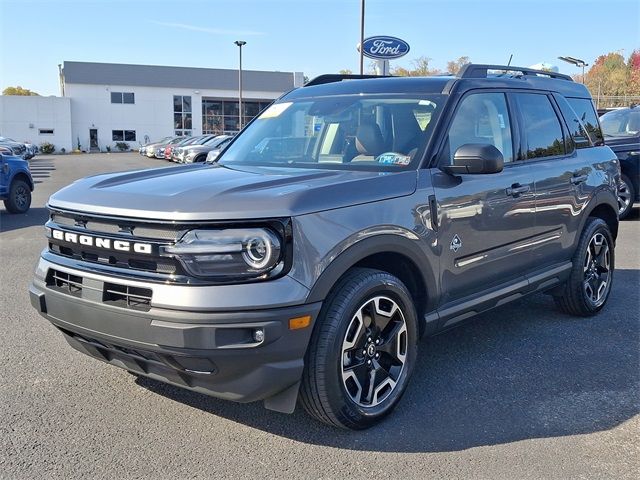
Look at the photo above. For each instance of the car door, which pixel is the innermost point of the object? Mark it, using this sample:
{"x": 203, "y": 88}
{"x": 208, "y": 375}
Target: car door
{"x": 484, "y": 219}
{"x": 561, "y": 173}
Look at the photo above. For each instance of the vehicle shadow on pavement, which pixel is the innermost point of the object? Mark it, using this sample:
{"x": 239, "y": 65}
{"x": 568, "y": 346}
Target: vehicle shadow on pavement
{"x": 14, "y": 221}
{"x": 523, "y": 371}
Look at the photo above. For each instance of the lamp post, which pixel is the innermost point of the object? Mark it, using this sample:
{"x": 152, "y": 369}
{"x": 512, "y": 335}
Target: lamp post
{"x": 577, "y": 62}
{"x": 240, "y": 44}
{"x": 361, "y": 37}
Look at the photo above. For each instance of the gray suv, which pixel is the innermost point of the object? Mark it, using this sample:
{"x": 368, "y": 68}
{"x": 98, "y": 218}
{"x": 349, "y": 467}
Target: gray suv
{"x": 350, "y": 218}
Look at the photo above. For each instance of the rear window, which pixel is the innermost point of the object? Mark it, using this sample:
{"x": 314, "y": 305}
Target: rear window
{"x": 587, "y": 114}
{"x": 544, "y": 136}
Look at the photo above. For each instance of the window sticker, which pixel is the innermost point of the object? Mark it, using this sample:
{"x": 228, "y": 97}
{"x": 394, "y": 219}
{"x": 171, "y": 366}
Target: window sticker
{"x": 275, "y": 110}
{"x": 393, "y": 158}
{"x": 501, "y": 120}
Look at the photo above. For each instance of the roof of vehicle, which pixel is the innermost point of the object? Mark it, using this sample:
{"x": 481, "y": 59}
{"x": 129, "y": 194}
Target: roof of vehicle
{"x": 471, "y": 76}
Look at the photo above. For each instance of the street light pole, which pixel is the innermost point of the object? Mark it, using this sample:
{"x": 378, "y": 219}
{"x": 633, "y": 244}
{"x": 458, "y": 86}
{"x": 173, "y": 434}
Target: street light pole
{"x": 577, "y": 62}
{"x": 240, "y": 44}
{"x": 362, "y": 37}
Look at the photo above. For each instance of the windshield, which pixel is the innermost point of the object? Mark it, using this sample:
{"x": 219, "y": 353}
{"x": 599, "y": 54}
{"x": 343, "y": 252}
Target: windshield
{"x": 621, "y": 123}
{"x": 339, "y": 132}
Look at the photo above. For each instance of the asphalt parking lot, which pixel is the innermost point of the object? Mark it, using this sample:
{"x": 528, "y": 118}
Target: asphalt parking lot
{"x": 521, "y": 392}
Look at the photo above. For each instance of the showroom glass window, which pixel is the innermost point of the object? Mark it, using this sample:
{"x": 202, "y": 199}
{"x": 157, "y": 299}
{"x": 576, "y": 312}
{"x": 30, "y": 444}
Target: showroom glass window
{"x": 182, "y": 115}
{"x": 544, "y": 133}
{"x": 221, "y": 116}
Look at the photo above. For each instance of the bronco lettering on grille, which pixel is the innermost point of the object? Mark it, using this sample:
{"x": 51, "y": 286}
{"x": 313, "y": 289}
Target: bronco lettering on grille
{"x": 105, "y": 243}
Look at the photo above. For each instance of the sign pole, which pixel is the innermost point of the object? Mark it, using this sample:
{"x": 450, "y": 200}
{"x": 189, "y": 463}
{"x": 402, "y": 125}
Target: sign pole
{"x": 362, "y": 37}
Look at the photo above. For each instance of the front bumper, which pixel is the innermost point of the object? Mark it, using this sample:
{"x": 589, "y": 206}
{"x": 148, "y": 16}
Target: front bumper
{"x": 210, "y": 352}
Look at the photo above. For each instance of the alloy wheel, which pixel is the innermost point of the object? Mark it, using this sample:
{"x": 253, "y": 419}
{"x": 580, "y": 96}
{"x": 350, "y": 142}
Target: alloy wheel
{"x": 597, "y": 269}
{"x": 374, "y": 351}
{"x": 21, "y": 197}
{"x": 624, "y": 197}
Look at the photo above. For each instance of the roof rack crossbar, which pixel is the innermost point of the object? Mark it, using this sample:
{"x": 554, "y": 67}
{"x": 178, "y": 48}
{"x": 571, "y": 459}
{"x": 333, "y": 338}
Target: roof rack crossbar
{"x": 477, "y": 70}
{"x": 338, "y": 77}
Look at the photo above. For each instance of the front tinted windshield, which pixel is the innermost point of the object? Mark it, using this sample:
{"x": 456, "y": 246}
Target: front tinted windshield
{"x": 621, "y": 123}
{"x": 343, "y": 132}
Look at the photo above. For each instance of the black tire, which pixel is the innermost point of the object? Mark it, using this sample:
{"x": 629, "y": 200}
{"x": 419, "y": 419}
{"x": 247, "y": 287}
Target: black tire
{"x": 200, "y": 159}
{"x": 578, "y": 297}
{"x": 626, "y": 195}
{"x": 19, "y": 199}
{"x": 325, "y": 391}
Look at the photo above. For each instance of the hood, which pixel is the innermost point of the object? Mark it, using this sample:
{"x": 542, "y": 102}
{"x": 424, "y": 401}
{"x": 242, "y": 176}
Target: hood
{"x": 216, "y": 192}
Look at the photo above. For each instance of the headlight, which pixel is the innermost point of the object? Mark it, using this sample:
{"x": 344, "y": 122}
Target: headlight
{"x": 230, "y": 254}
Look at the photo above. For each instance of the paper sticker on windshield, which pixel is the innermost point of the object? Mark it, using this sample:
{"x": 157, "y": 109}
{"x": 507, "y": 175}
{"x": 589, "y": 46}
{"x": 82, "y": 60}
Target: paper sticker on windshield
{"x": 393, "y": 158}
{"x": 275, "y": 110}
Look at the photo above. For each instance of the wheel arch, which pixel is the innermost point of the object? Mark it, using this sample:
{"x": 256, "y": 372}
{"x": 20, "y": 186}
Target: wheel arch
{"x": 394, "y": 254}
{"x": 606, "y": 209}
{"x": 26, "y": 178}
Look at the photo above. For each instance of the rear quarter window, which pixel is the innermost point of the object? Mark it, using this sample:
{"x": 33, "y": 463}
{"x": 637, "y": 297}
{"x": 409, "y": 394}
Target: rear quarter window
{"x": 587, "y": 114}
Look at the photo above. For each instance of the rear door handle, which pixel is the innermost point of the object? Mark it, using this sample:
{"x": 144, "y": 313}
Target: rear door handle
{"x": 576, "y": 179}
{"x": 516, "y": 189}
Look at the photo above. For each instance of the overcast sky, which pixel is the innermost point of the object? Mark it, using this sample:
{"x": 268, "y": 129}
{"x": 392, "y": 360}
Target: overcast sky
{"x": 312, "y": 36}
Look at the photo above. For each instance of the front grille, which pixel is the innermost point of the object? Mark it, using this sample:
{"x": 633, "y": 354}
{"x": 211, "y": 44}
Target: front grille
{"x": 116, "y": 230}
{"x": 115, "y": 294}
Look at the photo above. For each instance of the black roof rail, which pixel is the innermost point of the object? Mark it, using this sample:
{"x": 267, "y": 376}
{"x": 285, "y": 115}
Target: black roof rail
{"x": 477, "y": 70}
{"x": 338, "y": 77}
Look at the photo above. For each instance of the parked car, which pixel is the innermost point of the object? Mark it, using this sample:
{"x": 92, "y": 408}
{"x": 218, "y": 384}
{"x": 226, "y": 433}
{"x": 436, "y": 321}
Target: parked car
{"x": 158, "y": 150}
{"x": 16, "y": 183}
{"x": 168, "y": 152}
{"x": 18, "y": 149}
{"x": 148, "y": 149}
{"x": 213, "y": 155}
{"x": 621, "y": 128}
{"x": 343, "y": 223}
{"x": 198, "y": 153}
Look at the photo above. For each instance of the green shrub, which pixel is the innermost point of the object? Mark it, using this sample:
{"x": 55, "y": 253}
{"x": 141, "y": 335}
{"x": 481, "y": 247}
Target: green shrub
{"x": 108, "y": 148}
{"x": 122, "y": 146}
{"x": 47, "y": 147}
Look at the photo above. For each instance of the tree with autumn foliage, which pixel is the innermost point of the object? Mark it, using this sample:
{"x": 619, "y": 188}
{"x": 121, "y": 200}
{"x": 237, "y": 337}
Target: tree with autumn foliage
{"x": 612, "y": 76}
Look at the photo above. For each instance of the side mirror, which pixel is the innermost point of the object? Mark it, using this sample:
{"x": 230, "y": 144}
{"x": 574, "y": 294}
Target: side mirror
{"x": 475, "y": 158}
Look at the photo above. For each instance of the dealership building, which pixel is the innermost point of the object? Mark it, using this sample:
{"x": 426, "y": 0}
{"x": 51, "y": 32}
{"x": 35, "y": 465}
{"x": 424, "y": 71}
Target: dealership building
{"x": 105, "y": 103}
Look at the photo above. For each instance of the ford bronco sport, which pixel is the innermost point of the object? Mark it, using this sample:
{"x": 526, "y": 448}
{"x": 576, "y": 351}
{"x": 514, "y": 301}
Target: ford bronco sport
{"x": 348, "y": 219}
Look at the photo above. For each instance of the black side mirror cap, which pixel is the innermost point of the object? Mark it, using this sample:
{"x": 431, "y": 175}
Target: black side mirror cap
{"x": 479, "y": 158}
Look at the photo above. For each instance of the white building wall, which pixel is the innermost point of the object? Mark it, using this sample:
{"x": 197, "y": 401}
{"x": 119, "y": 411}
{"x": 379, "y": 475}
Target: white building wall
{"x": 151, "y": 116}
{"x": 21, "y": 118}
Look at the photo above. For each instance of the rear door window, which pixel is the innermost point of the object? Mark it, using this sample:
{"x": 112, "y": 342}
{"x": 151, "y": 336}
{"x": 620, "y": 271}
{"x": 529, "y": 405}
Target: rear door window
{"x": 543, "y": 135}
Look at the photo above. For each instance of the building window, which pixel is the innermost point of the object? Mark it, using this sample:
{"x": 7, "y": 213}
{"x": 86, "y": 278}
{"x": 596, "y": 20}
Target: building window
{"x": 45, "y": 131}
{"x": 123, "y": 97}
{"x": 222, "y": 116}
{"x": 123, "y": 135}
{"x": 182, "y": 116}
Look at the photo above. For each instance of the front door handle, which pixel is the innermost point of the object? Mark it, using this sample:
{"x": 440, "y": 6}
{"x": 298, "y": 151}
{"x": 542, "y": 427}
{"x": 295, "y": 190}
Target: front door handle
{"x": 516, "y": 189}
{"x": 576, "y": 179}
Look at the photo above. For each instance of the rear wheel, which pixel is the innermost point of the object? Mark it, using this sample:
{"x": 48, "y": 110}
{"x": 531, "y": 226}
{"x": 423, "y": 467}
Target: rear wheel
{"x": 589, "y": 285}
{"x": 19, "y": 199}
{"x": 362, "y": 352}
{"x": 626, "y": 195}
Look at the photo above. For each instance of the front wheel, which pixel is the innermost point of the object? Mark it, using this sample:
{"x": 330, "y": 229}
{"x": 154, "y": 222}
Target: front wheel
{"x": 19, "y": 199}
{"x": 362, "y": 351}
{"x": 589, "y": 284}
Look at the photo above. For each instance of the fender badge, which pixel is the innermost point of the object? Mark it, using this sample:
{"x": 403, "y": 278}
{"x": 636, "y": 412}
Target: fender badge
{"x": 456, "y": 243}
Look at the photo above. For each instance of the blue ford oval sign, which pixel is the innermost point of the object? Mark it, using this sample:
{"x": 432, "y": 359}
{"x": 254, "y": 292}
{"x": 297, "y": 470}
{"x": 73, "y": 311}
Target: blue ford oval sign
{"x": 385, "y": 48}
